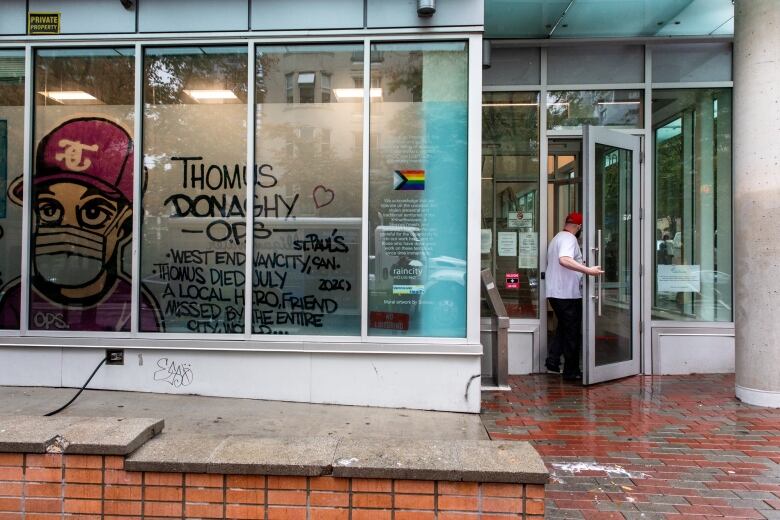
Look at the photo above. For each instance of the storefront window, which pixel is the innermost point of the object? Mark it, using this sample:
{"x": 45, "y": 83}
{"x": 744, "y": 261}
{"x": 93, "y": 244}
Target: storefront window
{"x": 510, "y": 198}
{"x": 693, "y": 261}
{"x": 82, "y": 190}
{"x": 194, "y": 194}
{"x": 11, "y": 159}
{"x": 309, "y": 190}
{"x": 570, "y": 109}
{"x": 418, "y": 189}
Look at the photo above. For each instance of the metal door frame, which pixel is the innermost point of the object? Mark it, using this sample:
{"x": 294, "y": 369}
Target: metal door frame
{"x": 592, "y": 373}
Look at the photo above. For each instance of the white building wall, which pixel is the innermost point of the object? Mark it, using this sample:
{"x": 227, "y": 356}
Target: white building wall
{"x": 420, "y": 381}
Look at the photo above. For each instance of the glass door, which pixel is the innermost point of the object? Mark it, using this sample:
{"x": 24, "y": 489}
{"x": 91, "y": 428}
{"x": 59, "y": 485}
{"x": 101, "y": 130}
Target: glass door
{"x": 611, "y": 240}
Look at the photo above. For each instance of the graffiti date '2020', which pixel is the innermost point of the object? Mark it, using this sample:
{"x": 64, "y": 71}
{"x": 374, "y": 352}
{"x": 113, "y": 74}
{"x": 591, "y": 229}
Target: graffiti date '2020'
{"x": 173, "y": 373}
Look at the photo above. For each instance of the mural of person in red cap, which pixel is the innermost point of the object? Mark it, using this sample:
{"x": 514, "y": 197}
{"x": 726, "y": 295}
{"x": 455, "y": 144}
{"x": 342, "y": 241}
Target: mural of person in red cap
{"x": 564, "y": 292}
{"x": 81, "y": 219}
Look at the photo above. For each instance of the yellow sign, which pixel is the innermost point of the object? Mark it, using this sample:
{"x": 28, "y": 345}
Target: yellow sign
{"x": 43, "y": 23}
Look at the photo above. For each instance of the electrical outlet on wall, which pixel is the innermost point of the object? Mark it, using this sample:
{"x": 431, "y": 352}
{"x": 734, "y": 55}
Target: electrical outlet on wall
{"x": 115, "y": 356}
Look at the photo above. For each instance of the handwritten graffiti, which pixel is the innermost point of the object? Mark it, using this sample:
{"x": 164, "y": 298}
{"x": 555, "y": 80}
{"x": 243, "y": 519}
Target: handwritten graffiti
{"x": 322, "y": 196}
{"x": 296, "y": 280}
{"x": 175, "y": 374}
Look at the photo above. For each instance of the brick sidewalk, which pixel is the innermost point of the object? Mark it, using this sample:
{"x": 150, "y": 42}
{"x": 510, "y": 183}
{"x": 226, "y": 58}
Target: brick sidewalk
{"x": 645, "y": 447}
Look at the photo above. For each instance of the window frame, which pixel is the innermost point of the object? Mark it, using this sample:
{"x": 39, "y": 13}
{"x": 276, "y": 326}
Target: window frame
{"x": 468, "y": 344}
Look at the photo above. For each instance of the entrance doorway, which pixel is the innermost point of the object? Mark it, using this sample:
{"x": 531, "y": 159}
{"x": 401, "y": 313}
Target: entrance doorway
{"x": 598, "y": 175}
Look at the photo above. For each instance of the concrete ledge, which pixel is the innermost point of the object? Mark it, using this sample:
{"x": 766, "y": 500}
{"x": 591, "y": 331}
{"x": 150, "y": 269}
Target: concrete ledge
{"x": 478, "y": 461}
{"x": 76, "y": 435}
{"x": 237, "y": 455}
{"x": 472, "y": 461}
{"x": 310, "y": 457}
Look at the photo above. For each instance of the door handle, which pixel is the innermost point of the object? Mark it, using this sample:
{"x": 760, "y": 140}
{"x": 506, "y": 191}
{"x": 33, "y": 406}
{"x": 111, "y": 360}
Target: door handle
{"x": 597, "y": 258}
{"x": 601, "y": 279}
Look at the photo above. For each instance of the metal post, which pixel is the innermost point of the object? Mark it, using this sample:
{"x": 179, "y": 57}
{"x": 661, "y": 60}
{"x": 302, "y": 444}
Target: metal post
{"x": 499, "y": 336}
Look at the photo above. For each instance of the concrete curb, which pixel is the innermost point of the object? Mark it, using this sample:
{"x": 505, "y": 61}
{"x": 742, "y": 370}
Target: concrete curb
{"x": 472, "y": 461}
{"x": 76, "y": 435}
{"x": 451, "y": 460}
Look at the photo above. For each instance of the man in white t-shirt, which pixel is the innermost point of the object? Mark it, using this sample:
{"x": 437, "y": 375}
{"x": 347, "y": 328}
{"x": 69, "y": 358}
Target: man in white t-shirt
{"x": 564, "y": 292}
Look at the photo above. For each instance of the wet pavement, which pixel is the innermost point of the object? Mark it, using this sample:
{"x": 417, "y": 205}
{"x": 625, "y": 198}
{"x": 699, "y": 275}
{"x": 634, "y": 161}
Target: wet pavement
{"x": 668, "y": 447}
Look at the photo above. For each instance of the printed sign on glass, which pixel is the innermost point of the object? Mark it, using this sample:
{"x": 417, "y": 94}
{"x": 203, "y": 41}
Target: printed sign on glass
{"x": 43, "y": 23}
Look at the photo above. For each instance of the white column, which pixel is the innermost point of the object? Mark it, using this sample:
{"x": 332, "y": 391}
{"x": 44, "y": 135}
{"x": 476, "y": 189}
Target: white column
{"x": 757, "y": 200}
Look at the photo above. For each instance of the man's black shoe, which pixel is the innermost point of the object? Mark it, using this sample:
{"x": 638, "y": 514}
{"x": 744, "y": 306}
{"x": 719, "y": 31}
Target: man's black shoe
{"x": 552, "y": 369}
{"x": 573, "y": 377}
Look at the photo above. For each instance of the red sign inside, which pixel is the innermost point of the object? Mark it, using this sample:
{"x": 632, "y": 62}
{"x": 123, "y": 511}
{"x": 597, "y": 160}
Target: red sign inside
{"x": 388, "y": 320}
{"x": 512, "y": 281}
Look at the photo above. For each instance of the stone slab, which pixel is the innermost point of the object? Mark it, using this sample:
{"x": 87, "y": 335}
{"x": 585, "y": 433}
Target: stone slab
{"x": 244, "y": 455}
{"x": 310, "y": 456}
{"x": 176, "y": 453}
{"x": 76, "y": 435}
{"x": 471, "y": 461}
{"x": 30, "y": 434}
{"x": 110, "y": 435}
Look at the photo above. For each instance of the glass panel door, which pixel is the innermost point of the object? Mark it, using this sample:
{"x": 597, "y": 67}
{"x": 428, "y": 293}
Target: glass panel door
{"x": 612, "y": 241}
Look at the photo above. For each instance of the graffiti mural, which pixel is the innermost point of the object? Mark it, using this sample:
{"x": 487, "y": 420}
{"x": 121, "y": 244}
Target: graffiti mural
{"x": 82, "y": 196}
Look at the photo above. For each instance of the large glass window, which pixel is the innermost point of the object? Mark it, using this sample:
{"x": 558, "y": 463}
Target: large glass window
{"x": 194, "y": 191}
{"x": 510, "y": 197}
{"x": 570, "y": 109}
{"x": 11, "y": 158}
{"x": 82, "y": 190}
{"x": 418, "y": 189}
{"x": 693, "y": 261}
{"x": 309, "y": 190}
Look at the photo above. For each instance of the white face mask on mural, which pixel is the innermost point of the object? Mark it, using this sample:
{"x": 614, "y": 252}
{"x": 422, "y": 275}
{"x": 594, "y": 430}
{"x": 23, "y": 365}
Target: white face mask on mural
{"x": 69, "y": 256}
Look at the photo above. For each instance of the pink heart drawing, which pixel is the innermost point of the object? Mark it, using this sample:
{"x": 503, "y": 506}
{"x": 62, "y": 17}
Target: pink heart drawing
{"x": 322, "y": 196}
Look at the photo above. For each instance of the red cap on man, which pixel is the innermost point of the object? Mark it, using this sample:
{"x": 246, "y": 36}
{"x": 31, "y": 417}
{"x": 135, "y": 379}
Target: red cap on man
{"x": 574, "y": 217}
{"x": 91, "y": 151}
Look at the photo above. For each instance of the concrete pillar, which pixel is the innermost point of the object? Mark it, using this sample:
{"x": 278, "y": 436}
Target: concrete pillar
{"x": 757, "y": 200}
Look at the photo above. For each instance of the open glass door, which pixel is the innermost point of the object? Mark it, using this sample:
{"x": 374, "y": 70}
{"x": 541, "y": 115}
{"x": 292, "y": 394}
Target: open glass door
{"x": 611, "y": 240}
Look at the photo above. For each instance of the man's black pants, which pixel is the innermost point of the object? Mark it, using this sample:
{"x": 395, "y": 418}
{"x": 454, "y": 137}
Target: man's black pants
{"x": 568, "y": 335}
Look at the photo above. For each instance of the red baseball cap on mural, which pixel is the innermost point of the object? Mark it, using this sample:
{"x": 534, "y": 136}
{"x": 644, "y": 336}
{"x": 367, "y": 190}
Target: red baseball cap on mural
{"x": 574, "y": 217}
{"x": 91, "y": 151}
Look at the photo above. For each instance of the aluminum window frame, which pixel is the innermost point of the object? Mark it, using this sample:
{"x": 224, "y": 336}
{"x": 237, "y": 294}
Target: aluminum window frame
{"x": 247, "y": 341}
{"x": 646, "y": 172}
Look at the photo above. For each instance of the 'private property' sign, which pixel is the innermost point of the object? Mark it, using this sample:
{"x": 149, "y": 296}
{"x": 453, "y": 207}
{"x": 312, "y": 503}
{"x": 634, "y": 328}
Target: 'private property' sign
{"x": 43, "y": 23}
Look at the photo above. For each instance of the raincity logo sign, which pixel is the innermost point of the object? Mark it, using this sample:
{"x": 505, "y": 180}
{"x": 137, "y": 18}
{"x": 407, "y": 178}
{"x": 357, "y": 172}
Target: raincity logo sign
{"x": 72, "y": 154}
{"x": 43, "y": 23}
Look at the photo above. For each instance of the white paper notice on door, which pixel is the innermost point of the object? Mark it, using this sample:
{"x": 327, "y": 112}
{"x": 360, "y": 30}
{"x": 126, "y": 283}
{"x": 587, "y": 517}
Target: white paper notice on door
{"x": 487, "y": 240}
{"x": 529, "y": 248}
{"x": 679, "y": 278}
{"x": 507, "y": 243}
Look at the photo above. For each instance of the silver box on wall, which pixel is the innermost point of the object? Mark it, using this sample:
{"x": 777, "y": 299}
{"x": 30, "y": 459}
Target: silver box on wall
{"x": 88, "y": 16}
{"x": 280, "y": 15}
{"x": 193, "y": 15}
{"x": 403, "y": 13}
{"x": 13, "y": 17}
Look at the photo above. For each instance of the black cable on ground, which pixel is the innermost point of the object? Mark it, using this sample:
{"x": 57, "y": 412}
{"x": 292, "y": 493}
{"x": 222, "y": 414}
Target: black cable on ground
{"x": 58, "y": 410}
